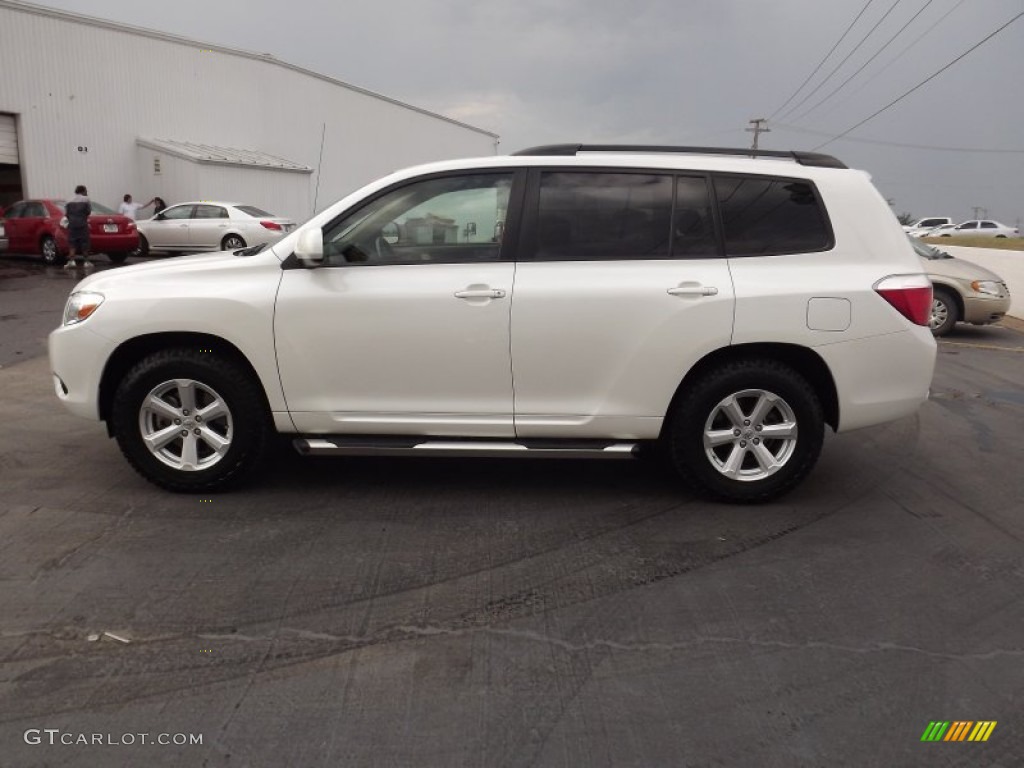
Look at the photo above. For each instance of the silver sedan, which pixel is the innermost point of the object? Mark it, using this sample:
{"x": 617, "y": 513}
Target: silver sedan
{"x": 208, "y": 225}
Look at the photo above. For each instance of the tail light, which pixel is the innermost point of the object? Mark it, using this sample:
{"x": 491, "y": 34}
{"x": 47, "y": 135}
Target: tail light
{"x": 130, "y": 225}
{"x": 271, "y": 225}
{"x": 911, "y": 295}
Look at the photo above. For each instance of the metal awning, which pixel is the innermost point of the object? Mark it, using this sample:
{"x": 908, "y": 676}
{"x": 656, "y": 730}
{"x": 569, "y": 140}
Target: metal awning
{"x": 211, "y": 155}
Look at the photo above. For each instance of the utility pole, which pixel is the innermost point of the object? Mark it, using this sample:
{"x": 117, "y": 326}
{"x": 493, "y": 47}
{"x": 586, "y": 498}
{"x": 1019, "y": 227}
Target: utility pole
{"x": 757, "y": 130}
{"x": 977, "y": 211}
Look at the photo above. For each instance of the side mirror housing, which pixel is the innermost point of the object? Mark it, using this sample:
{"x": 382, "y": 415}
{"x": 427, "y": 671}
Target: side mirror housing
{"x": 310, "y": 248}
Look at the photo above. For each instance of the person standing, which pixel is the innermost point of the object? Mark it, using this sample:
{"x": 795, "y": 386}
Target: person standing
{"x": 129, "y": 209}
{"x": 158, "y": 205}
{"x": 78, "y": 211}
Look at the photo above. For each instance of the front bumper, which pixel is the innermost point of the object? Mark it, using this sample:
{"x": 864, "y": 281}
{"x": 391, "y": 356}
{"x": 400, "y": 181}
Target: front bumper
{"x": 983, "y": 310}
{"x": 77, "y": 358}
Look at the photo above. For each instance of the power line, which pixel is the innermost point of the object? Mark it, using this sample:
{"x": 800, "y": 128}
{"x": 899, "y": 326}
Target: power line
{"x": 862, "y": 66}
{"x": 905, "y": 51}
{"x": 923, "y": 82}
{"x": 901, "y": 145}
{"x": 828, "y": 77}
{"x": 820, "y": 63}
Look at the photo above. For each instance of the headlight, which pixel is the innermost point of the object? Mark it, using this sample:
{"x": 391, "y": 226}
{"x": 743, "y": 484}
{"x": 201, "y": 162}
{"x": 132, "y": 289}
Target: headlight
{"x": 80, "y": 306}
{"x": 988, "y": 287}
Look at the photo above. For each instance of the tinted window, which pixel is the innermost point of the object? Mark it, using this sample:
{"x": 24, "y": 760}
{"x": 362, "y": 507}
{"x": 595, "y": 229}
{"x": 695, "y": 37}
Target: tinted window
{"x": 763, "y": 215}
{"x": 252, "y": 210}
{"x": 97, "y": 208}
{"x": 988, "y": 225}
{"x": 969, "y": 225}
{"x": 14, "y": 212}
{"x": 33, "y": 209}
{"x": 693, "y": 233}
{"x": 932, "y": 223}
{"x": 451, "y": 219}
{"x": 592, "y": 216}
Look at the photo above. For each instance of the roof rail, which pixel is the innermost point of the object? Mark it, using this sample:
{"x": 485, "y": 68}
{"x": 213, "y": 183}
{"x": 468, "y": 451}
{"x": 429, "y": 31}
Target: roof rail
{"x": 566, "y": 150}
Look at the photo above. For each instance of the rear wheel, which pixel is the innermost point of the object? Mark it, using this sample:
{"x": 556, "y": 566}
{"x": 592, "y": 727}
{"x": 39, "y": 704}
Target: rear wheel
{"x": 191, "y": 421}
{"x": 118, "y": 257}
{"x": 48, "y": 249}
{"x": 747, "y": 431}
{"x": 232, "y": 243}
{"x": 944, "y": 313}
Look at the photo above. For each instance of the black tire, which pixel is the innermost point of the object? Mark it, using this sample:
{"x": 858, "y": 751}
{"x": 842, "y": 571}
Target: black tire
{"x": 118, "y": 257}
{"x": 699, "y": 409}
{"x": 944, "y": 314}
{"x": 49, "y": 252}
{"x": 232, "y": 243}
{"x": 1000, "y": 236}
{"x": 143, "y": 247}
{"x": 247, "y": 428}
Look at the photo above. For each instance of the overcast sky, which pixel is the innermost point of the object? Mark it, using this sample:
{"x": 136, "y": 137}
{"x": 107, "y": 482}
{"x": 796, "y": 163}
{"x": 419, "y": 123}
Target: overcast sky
{"x": 674, "y": 72}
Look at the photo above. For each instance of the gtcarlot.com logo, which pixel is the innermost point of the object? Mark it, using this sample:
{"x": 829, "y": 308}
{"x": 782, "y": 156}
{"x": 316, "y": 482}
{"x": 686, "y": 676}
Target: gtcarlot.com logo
{"x": 958, "y": 730}
{"x": 55, "y": 737}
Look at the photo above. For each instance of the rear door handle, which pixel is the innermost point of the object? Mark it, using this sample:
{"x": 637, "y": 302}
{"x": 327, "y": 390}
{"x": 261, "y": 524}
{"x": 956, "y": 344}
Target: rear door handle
{"x": 480, "y": 293}
{"x": 693, "y": 289}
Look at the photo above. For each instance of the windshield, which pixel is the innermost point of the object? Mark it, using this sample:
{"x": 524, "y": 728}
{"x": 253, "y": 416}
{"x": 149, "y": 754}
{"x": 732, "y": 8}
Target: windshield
{"x": 927, "y": 251}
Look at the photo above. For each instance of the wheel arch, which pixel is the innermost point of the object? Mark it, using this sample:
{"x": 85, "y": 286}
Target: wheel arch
{"x": 803, "y": 360}
{"x": 952, "y": 291}
{"x": 132, "y": 351}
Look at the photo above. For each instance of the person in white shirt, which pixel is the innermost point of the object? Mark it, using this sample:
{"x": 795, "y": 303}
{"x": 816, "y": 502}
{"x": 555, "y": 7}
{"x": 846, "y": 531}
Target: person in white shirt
{"x": 129, "y": 209}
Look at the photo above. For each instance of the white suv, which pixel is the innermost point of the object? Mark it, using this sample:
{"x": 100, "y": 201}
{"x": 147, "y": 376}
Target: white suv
{"x": 575, "y": 301}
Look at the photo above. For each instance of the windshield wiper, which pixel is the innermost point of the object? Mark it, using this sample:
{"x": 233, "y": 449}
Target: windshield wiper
{"x": 252, "y": 250}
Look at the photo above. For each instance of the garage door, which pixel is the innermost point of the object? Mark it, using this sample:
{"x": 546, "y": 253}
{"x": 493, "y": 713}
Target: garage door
{"x": 8, "y": 140}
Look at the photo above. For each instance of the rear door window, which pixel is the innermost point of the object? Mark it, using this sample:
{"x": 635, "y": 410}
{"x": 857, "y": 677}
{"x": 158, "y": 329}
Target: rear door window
{"x": 763, "y": 215}
{"x": 597, "y": 216}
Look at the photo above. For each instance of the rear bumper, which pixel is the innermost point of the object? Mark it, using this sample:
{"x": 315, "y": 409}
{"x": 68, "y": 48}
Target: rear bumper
{"x": 115, "y": 243}
{"x": 881, "y": 378}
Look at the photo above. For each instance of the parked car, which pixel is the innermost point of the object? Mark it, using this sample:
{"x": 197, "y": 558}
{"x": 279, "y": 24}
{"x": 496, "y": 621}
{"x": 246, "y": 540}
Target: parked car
{"x": 210, "y": 226}
{"x": 963, "y": 291}
{"x": 718, "y": 308}
{"x": 39, "y": 226}
{"x": 976, "y": 228}
{"x": 926, "y": 225}
{"x": 3, "y": 235}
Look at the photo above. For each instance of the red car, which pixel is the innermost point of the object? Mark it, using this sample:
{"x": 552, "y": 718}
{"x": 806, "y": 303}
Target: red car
{"x": 39, "y": 226}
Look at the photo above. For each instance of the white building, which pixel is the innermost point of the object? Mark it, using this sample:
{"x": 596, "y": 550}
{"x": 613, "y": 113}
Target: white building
{"x": 129, "y": 110}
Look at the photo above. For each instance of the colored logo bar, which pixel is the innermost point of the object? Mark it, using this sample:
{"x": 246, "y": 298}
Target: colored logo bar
{"x": 958, "y": 730}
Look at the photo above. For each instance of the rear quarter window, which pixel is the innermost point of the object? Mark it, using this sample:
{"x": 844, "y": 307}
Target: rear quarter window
{"x": 763, "y": 215}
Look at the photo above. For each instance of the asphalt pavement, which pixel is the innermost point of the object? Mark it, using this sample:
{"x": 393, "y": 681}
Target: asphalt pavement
{"x": 444, "y": 612}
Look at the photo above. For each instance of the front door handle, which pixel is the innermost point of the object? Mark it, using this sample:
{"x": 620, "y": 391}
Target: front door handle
{"x": 692, "y": 289}
{"x": 480, "y": 293}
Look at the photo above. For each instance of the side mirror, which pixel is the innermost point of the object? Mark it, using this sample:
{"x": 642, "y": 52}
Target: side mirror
{"x": 310, "y": 248}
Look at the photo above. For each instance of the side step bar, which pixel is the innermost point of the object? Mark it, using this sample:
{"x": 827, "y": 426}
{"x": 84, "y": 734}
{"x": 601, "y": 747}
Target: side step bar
{"x": 385, "y": 445}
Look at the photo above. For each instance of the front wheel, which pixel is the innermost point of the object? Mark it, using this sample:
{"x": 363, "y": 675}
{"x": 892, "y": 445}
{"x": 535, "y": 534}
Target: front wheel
{"x": 142, "y": 249}
{"x": 747, "y": 431}
{"x": 191, "y": 421}
{"x": 944, "y": 314}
